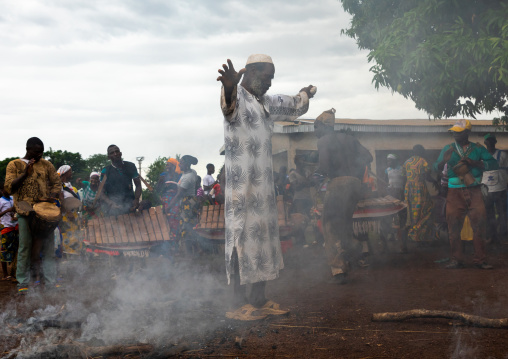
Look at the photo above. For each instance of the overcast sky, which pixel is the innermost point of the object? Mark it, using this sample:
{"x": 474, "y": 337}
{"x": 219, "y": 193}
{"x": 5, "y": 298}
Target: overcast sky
{"x": 83, "y": 74}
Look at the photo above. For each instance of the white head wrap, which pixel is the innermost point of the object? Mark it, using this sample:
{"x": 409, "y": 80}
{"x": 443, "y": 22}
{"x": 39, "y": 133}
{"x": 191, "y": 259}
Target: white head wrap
{"x": 391, "y": 156}
{"x": 63, "y": 169}
{"x": 95, "y": 174}
{"x": 253, "y": 59}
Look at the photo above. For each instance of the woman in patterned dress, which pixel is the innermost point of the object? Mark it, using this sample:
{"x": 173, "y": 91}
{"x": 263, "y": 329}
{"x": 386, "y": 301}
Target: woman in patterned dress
{"x": 9, "y": 235}
{"x": 167, "y": 186}
{"x": 90, "y": 189}
{"x": 188, "y": 203}
{"x": 416, "y": 169}
{"x": 72, "y": 236}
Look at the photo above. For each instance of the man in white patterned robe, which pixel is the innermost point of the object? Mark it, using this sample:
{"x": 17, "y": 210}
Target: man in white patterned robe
{"x": 252, "y": 232}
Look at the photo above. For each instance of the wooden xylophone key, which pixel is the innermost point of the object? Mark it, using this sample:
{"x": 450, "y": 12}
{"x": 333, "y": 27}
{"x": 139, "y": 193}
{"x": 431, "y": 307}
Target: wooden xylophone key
{"x": 137, "y": 237}
{"x": 149, "y": 226}
{"x": 209, "y": 216}
{"x": 109, "y": 229}
{"x": 155, "y": 224}
{"x": 142, "y": 227}
{"x": 221, "y": 217}
{"x": 121, "y": 229}
{"x": 129, "y": 228}
{"x": 116, "y": 229}
{"x": 90, "y": 232}
{"x": 215, "y": 217}
{"x": 204, "y": 215}
{"x": 163, "y": 223}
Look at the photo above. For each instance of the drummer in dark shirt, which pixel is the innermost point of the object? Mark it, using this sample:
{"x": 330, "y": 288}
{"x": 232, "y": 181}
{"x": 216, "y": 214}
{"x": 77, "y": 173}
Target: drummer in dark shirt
{"x": 118, "y": 196}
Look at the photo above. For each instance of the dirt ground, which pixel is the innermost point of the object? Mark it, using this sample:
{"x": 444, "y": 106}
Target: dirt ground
{"x": 184, "y": 302}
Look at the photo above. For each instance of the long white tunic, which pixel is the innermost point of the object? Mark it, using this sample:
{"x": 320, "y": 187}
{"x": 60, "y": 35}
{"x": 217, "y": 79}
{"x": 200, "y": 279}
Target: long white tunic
{"x": 251, "y": 210}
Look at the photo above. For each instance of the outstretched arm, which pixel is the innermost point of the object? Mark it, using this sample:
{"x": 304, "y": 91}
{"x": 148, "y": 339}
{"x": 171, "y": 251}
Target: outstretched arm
{"x": 137, "y": 194}
{"x": 289, "y": 108}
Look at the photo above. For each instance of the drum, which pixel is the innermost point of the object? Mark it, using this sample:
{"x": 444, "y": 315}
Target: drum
{"x": 45, "y": 219}
{"x": 71, "y": 204}
{"x": 462, "y": 170}
{"x": 24, "y": 208}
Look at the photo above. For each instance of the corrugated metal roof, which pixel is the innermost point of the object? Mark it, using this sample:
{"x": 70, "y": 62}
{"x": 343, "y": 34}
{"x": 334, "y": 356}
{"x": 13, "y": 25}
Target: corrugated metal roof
{"x": 397, "y": 126}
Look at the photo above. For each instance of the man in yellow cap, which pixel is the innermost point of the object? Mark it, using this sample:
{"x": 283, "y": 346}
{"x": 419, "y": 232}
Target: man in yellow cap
{"x": 466, "y": 163}
{"x": 253, "y": 251}
{"x": 342, "y": 160}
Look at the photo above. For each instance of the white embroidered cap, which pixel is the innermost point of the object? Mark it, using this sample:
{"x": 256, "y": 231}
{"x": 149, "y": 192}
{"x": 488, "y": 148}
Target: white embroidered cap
{"x": 255, "y": 58}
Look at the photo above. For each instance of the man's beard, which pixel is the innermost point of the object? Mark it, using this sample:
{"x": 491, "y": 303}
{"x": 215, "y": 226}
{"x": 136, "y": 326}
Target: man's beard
{"x": 257, "y": 87}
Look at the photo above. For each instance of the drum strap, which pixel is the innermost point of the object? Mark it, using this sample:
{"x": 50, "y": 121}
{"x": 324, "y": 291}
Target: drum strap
{"x": 460, "y": 152}
{"x": 70, "y": 191}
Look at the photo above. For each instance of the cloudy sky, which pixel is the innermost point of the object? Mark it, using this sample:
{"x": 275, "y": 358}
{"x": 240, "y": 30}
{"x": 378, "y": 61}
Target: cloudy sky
{"x": 83, "y": 74}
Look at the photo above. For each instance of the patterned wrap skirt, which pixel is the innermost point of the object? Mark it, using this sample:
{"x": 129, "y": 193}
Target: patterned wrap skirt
{"x": 9, "y": 247}
{"x": 189, "y": 211}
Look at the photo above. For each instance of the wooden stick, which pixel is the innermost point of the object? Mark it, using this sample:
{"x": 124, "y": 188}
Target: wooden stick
{"x": 468, "y": 319}
{"x": 353, "y": 329}
{"x": 150, "y": 188}
{"x": 118, "y": 349}
{"x": 99, "y": 190}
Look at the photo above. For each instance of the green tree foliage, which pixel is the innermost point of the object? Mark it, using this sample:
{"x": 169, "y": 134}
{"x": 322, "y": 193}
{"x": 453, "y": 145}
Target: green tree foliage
{"x": 155, "y": 169}
{"x": 59, "y": 158}
{"x": 96, "y": 162}
{"x": 449, "y": 56}
{"x": 3, "y": 166}
{"x": 152, "y": 177}
{"x": 153, "y": 197}
{"x": 80, "y": 167}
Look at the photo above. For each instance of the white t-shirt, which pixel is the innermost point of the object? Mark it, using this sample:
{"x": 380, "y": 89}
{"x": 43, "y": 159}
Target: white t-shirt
{"x": 6, "y": 219}
{"x": 395, "y": 177}
{"x": 188, "y": 183}
{"x": 497, "y": 180}
{"x": 208, "y": 181}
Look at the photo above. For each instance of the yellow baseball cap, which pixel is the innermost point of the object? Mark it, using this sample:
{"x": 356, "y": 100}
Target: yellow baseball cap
{"x": 461, "y": 125}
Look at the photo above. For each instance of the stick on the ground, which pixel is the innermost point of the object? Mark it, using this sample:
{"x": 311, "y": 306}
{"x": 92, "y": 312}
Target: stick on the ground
{"x": 468, "y": 319}
{"x": 118, "y": 350}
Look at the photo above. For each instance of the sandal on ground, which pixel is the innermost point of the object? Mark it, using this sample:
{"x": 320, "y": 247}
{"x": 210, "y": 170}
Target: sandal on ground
{"x": 272, "y": 308}
{"x": 6, "y": 278}
{"x": 22, "y": 291}
{"x": 245, "y": 313}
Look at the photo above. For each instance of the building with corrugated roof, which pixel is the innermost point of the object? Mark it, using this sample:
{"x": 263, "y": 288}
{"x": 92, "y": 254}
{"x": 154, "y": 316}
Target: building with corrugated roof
{"x": 381, "y": 137}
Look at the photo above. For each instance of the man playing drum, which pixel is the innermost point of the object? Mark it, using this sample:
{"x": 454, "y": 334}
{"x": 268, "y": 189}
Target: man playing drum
{"x": 466, "y": 161}
{"x": 342, "y": 161}
{"x": 30, "y": 180}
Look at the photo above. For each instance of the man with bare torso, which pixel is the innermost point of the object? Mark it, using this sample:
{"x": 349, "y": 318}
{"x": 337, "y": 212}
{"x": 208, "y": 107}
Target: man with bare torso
{"x": 342, "y": 160}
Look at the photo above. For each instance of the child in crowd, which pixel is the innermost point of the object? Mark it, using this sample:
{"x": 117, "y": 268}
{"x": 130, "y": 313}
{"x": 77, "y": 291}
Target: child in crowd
{"x": 9, "y": 235}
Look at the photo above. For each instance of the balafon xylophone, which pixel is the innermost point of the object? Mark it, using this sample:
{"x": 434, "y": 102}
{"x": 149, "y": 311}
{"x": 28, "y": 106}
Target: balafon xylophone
{"x": 129, "y": 231}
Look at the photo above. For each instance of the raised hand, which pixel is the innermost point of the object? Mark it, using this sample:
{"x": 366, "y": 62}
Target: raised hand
{"x": 310, "y": 90}
{"x": 30, "y": 167}
{"x": 228, "y": 75}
